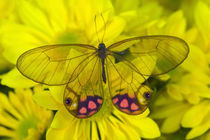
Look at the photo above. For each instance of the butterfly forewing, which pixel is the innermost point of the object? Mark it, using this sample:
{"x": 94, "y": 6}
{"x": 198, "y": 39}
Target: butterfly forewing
{"x": 152, "y": 55}
{"x": 84, "y": 96}
{"x": 55, "y": 64}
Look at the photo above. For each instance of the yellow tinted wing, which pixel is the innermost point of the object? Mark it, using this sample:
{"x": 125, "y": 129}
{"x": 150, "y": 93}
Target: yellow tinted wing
{"x": 84, "y": 96}
{"x": 126, "y": 87}
{"x": 151, "y": 55}
{"x": 55, "y": 64}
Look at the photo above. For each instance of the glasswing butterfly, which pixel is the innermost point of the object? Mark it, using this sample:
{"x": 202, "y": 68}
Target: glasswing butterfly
{"x": 87, "y": 71}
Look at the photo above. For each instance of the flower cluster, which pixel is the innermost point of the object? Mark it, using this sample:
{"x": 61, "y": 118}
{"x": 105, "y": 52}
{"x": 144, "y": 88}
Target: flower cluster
{"x": 182, "y": 99}
{"x": 21, "y": 118}
{"x": 36, "y": 23}
{"x": 185, "y": 100}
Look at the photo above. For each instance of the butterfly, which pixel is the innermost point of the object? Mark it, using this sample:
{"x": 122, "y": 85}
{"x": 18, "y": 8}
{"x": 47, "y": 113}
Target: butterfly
{"x": 93, "y": 73}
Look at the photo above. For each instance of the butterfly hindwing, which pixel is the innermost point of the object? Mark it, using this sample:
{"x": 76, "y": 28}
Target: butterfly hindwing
{"x": 84, "y": 96}
{"x": 82, "y": 106}
{"x": 128, "y": 94}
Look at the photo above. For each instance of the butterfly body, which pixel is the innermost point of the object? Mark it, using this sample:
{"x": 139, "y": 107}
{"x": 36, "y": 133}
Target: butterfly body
{"x": 118, "y": 71}
{"x": 102, "y": 54}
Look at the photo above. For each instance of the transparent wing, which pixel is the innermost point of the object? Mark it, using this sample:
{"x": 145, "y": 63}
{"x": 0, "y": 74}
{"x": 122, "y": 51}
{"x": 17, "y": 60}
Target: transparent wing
{"x": 55, "y": 64}
{"x": 84, "y": 96}
{"x": 151, "y": 55}
{"x": 128, "y": 93}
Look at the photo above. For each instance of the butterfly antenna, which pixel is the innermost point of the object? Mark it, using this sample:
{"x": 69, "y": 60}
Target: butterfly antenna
{"x": 104, "y": 26}
{"x": 96, "y": 29}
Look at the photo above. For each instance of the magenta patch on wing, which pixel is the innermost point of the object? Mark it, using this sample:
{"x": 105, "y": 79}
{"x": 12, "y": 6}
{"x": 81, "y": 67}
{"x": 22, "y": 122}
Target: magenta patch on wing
{"x": 90, "y": 106}
{"x": 115, "y": 100}
{"x": 134, "y": 106}
{"x": 126, "y": 104}
{"x": 83, "y": 110}
{"x": 99, "y": 101}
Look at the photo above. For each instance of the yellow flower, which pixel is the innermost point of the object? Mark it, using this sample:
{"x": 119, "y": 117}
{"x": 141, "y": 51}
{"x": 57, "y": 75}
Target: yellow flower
{"x": 205, "y": 136}
{"x": 188, "y": 101}
{"x": 41, "y": 24}
{"x": 5, "y": 66}
{"x": 203, "y": 11}
{"x": 138, "y": 19}
{"x": 60, "y": 21}
{"x": 5, "y": 10}
{"x": 107, "y": 124}
{"x": 21, "y": 117}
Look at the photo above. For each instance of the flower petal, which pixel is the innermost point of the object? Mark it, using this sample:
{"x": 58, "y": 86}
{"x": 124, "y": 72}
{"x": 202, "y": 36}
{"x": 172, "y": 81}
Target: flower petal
{"x": 148, "y": 128}
{"x": 45, "y": 99}
{"x": 177, "y": 29}
{"x": 116, "y": 133}
{"x": 6, "y": 105}
{"x": 6, "y": 7}
{"x": 169, "y": 110}
{"x": 57, "y": 14}
{"x": 30, "y": 14}
{"x": 61, "y": 118}
{"x": 125, "y": 5}
{"x": 16, "y": 80}
{"x": 201, "y": 12}
{"x": 195, "y": 115}
{"x": 6, "y": 132}
{"x": 200, "y": 129}
{"x": 24, "y": 38}
{"x": 57, "y": 92}
{"x": 196, "y": 60}
{"x": 55, "y": 134}
{"x": 172, "y": 123}
{"x": 175, "y": 92}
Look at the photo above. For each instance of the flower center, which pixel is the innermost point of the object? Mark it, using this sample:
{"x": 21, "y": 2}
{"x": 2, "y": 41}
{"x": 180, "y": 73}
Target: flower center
{"x": 67, "y": 38}
{"x": 25, "y": 125}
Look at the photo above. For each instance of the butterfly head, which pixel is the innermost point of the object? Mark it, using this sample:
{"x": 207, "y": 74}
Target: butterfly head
{"x": 102, "y": 46}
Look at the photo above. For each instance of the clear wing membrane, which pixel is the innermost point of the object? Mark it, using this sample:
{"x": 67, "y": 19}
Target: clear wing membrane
{"x": 126, "y": 87}
{"x": 151, "y": 55}
{"x": 84, "y": 96}
{"x": 55, "y": 64}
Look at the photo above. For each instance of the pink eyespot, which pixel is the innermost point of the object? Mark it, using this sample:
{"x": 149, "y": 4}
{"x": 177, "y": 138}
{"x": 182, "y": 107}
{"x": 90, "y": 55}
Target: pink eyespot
{"x": 124, "y": 103}
{"x": 92, "y": 105}
{"x": 115, "y": 100}
{"x": 83, "y": 110}
{"x": 134, "y": 106}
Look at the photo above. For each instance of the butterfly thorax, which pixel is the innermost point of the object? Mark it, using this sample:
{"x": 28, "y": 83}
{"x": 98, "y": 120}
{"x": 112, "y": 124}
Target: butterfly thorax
{"x": 102, "y": 50}
{"x": 102, "y": 54}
